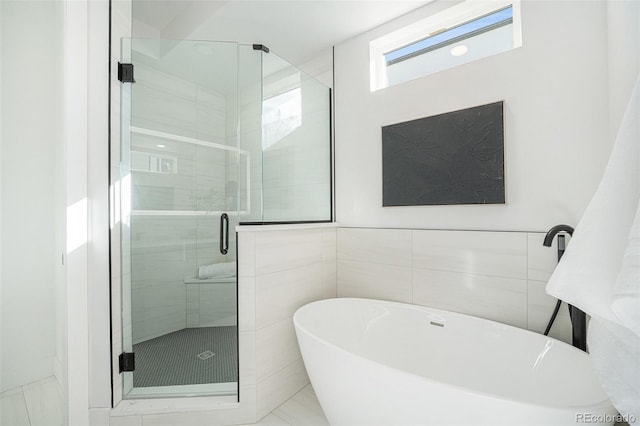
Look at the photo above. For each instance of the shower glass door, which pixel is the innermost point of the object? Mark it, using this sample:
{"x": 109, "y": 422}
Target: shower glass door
{"x": 185, "y": 185}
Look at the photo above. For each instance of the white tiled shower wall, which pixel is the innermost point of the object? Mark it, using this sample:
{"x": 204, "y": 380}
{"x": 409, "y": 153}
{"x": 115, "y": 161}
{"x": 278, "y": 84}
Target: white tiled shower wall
{"x": 296, "y": 170}
{"x": 495, "y": 275}
{"x": 168, "y": 248}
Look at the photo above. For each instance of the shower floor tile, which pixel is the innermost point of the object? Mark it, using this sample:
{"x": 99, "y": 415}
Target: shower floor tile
{"x": 188, "y": 357}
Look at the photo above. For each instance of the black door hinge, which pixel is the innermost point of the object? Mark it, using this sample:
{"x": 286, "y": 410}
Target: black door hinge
{"x": 262, "y": 47}
{"x": 127, "y": 361}
{"x": 125, "y": 73}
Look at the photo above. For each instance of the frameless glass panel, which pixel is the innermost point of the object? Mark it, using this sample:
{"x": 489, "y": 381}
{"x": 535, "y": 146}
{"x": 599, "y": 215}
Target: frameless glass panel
{"x": 250, "y": 133}
{"x": 180, "y": 160}
{"x": 296, "y": 170}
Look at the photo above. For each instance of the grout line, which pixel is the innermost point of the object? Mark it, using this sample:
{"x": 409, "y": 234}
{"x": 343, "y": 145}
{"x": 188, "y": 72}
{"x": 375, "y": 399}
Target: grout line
{"x": 411, "y": 252}
{"x": 433, "y": 269}
{"x": 439, "y": 229}
{"x": 293, "y": 268}
{"x": 254, "y": 327}
{"x": 26, "y": 406}
{"x": 285, "y": 402}
{"x": 527, "y": 274}
{"x": 280, "y": 370}
{"x": 277, "y": 416}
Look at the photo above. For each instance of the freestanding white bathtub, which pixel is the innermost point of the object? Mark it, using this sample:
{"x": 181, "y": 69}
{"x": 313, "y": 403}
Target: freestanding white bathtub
{"x": 384, "y": 363}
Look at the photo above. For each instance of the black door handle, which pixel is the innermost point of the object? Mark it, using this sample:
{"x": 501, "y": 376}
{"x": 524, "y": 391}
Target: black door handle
{"x": 224, "y": 233}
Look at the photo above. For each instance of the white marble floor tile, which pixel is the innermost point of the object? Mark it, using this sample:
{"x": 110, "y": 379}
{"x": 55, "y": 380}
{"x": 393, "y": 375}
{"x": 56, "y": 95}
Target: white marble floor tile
{"x": 302, "y": 409}
{"x": 271, "y": 420}
{"x": 126, "y": 421}
{"x": 14, "y": 409}
{"x": 44, "y": 402}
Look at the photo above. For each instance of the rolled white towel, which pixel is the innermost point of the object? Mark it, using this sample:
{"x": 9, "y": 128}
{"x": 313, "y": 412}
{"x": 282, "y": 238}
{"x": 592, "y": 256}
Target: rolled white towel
{"x": 217, "y": 270}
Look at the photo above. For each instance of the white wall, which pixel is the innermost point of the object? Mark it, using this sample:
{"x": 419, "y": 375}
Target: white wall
{"x": 98, "y": 201}
{"x": 623, "y": 35}
{"x": 31, "y": 145}
{"x": 77, "y": 114}
{"x": 320, "y": 68}
{"x": 556, "y": 121}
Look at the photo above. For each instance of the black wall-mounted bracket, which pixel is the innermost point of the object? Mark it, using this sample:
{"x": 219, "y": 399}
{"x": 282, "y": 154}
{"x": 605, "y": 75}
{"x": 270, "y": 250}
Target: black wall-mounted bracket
{"x": 562, "y": 246}
{"x": 127, "y": 361}
{"x": 578, "y": 317}
{"x": 125, "y": 73}
{"x": 262, "y": 47}
{"x": 578, "y": 328}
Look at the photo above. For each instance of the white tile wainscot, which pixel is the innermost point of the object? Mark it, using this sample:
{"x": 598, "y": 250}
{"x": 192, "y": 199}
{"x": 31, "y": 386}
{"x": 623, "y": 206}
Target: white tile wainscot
{"x": 499, "y": 254}
{"x": 495, "y": 275}
{"x": 374, "y": 281}
{"x": 374, "y": 263}
{"x": 288, "y": 267}
{"x": 491, "y": 297}
{"x": 541, "y": 306}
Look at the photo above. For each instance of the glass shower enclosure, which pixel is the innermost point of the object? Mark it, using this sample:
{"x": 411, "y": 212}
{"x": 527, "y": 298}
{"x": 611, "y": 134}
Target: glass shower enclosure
{"x": 213, "y": 134}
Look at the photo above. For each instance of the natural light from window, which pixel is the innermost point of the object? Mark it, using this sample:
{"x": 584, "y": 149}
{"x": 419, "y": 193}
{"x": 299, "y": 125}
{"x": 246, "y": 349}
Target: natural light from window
{"x": 460, "y": 34}
{"x": 281, "y": 115}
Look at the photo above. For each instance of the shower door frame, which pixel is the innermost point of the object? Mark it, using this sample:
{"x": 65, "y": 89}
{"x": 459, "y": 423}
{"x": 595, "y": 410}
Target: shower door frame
{"x": 222, "y": 392}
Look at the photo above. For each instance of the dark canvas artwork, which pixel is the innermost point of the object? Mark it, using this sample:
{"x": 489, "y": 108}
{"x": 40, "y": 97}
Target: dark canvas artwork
{"x": 451, "y": 158}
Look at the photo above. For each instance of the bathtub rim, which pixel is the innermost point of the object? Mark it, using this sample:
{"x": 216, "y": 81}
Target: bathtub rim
{"x": 600, "y": 405}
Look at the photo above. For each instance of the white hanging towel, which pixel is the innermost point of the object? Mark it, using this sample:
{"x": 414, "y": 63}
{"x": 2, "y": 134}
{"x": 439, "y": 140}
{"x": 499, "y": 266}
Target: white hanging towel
{"x": 600, "y": 271}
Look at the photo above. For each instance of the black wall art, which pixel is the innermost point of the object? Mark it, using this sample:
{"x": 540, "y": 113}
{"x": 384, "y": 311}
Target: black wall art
{"x": 451, "y": 158}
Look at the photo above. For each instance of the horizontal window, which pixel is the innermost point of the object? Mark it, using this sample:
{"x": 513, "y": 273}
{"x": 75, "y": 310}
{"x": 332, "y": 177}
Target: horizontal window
{"x": 446, "y": 37}
{"x": 458, "y": 35}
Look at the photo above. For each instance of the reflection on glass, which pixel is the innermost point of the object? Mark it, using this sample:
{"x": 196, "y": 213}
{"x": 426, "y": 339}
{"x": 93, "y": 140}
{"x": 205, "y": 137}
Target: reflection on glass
{"x": 281, "y": 115}
{"x": 296, "y": 161}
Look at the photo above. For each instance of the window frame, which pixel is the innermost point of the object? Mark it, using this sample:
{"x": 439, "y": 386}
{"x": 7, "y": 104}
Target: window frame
{"x": 444, "y": 20}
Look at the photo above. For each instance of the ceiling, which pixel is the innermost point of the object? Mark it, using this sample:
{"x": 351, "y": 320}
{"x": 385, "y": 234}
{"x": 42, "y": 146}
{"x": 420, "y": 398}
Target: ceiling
{"x": 297, "y": 30}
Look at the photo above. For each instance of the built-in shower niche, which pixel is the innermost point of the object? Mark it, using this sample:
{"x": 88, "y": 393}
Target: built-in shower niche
{"x": 212, "y": 134}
